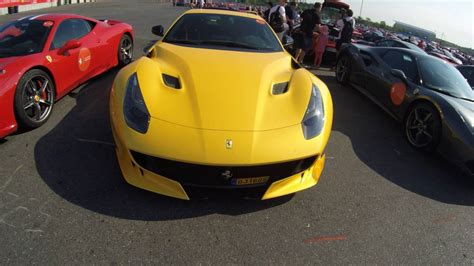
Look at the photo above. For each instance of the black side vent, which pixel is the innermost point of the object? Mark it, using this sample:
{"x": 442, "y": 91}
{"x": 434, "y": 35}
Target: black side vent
{"x": 171, "y": 81}
{"x": 280, "y": 88}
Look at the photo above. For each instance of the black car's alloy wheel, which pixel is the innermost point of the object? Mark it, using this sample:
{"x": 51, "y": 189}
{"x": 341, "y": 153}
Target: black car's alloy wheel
{"x": 125, "y": 52}
{"x": 343, "y": 70}
{"x": 34, "y": 99}
{"x": 423, "y": 127}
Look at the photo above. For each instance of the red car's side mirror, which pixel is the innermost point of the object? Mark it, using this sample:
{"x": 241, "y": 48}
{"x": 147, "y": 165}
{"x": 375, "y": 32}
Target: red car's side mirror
{"x": 69, "y": 45}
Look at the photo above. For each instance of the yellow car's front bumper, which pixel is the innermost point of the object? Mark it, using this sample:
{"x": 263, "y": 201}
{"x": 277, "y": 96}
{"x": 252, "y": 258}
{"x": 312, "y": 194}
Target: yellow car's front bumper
{"x": 140, "y": 177}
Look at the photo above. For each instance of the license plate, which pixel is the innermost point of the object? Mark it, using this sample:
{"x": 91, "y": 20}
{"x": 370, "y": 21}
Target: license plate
{"x": 249, "y": 181}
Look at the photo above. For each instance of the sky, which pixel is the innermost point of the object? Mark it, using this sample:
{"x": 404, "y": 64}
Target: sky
{"x": 451, "y": 20}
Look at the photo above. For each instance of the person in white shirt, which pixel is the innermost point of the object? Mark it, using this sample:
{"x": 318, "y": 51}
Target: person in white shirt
{"x": 280, "y": 7}
{"x": 340, "y": 23}
{"x": 346, "y": 18}
{"x": 350, "y": 17}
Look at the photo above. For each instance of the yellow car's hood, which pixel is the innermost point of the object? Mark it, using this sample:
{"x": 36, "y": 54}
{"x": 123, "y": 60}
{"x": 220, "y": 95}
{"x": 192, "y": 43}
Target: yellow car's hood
{"x": 223, "y": 90}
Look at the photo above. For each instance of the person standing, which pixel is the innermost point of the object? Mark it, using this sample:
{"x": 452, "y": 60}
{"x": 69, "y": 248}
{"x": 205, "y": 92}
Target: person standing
{"x": 348, "y": 29}
{"x": 340, "y": 24}
{"x": 291, "y": 15}
{"x": 311, "y": 22}
{"x": 266, "y": 13}
{"x": 320, "y": 46}
{"x": 345, "y": 35}
{"x": 277, "y": 19}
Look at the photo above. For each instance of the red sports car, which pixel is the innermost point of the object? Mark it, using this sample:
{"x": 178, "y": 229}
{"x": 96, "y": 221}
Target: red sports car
{"x": 44, "y": 57}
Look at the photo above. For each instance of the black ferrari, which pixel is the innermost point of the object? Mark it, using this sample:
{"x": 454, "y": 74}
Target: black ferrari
{"x": 429, "y": 96}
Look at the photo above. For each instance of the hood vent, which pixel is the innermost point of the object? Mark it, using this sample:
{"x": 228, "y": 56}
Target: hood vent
{"x": 171, "y": 81}
{"x": 280, "y": 88}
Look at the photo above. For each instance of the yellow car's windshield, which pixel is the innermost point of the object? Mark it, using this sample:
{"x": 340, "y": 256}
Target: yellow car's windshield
{"x": 217, "y": 31}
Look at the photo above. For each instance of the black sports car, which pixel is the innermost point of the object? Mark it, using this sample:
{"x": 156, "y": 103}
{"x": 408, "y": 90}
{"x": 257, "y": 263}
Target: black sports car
{"x": 429, "y": 96}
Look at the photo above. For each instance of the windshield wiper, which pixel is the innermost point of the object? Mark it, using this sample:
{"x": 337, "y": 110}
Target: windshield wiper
{"x": 231, "y": 44}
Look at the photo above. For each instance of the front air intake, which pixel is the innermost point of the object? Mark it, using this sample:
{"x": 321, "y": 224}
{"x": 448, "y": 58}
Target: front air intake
{"x": 171, "y": 81}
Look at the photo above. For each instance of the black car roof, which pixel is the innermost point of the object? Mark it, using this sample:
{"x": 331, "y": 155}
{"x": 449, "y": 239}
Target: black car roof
{"x": 412, "y": 52}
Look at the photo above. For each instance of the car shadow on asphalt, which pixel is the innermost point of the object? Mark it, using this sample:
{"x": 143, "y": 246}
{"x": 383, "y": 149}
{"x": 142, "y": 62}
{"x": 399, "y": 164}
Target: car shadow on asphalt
{"x": 379, "y": 142}
{"x": 77, "y": 161}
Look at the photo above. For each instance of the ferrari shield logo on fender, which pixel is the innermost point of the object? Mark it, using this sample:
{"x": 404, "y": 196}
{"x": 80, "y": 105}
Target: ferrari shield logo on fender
{"x": 49, "y": 58}
{"x": 228, "y": 144}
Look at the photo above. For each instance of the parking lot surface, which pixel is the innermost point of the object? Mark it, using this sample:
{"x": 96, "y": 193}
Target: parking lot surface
{"x": 63, "y": 199}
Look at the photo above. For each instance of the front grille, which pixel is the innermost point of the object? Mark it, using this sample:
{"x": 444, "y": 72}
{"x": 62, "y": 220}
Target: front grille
{"x": 255, "y": 193}
{"x": 198, "y": 175}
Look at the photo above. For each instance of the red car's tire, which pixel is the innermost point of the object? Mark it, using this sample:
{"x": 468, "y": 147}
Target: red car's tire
{"x": 34, "y": 99}
{"x": 125, "y": 50}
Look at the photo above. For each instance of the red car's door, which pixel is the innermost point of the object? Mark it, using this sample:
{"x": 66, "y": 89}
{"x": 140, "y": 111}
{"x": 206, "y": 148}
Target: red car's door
{"x": 91, "y": 43}
{"x": 99, "y": 47}
{"x": 75, "y": 65}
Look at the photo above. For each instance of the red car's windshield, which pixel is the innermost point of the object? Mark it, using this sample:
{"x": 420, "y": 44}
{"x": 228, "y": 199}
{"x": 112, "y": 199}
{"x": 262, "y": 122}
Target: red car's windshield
{"x": 329, "y": 15}
{"x": 23, "y": 37}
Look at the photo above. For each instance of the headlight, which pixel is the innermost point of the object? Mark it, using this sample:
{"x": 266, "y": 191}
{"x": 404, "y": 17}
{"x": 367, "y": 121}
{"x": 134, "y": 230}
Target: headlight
{"x": 313, "y": 120}
{"x": 134, "y": 108}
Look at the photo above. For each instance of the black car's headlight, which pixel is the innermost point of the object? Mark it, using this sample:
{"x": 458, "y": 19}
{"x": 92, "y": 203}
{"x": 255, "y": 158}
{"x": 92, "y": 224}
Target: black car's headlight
{"x": 313, "y": 121}
{"x": 134, "y": 108}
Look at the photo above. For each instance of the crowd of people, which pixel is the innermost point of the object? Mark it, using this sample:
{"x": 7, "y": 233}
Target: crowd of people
{"x": 311, "y": 37}
{"x": 309, "y": 34}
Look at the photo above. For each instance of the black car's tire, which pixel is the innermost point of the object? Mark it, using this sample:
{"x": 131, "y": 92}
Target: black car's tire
{"x": 34, "y": 99}
{"x": 343, "y": 69}
{"x": 423, "y": 127}
{"x": 125, "y": 50}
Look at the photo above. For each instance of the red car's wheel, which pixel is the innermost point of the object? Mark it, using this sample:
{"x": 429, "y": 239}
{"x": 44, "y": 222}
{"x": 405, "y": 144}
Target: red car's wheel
{"x": 125, "y": 50}
{"x": 34, "y": 99}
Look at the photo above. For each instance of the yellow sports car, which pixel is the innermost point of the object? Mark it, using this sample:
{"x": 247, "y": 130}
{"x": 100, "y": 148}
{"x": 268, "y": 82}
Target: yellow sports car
{"x": 218, "y": 104}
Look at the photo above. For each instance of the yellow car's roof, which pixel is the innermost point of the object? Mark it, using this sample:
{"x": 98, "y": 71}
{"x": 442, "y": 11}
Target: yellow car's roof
{"x": 222, "y": 12}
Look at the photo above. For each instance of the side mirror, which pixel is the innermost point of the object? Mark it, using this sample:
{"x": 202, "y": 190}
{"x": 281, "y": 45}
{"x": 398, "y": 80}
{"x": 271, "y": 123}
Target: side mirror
{"x": 69, "y": 45}
{"x": 399, "y": 74}
{"x": 158, "y": 30}
{"x": 287, "y": 41}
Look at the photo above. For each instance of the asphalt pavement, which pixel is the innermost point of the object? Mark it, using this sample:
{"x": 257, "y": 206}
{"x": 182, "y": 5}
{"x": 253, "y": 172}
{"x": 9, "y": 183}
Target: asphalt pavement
{"x": 63, "y": 199}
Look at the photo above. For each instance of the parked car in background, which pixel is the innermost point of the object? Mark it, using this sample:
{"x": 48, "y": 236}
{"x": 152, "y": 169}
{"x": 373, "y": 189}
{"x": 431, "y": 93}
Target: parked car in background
{"x": 373, "y": 36}
{"x": 439, "y": 54}
{"x": 451, "y": 57}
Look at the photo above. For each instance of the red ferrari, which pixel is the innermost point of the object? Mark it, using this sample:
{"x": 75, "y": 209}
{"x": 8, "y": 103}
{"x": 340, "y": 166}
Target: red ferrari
{"x": 44, "y": 57}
